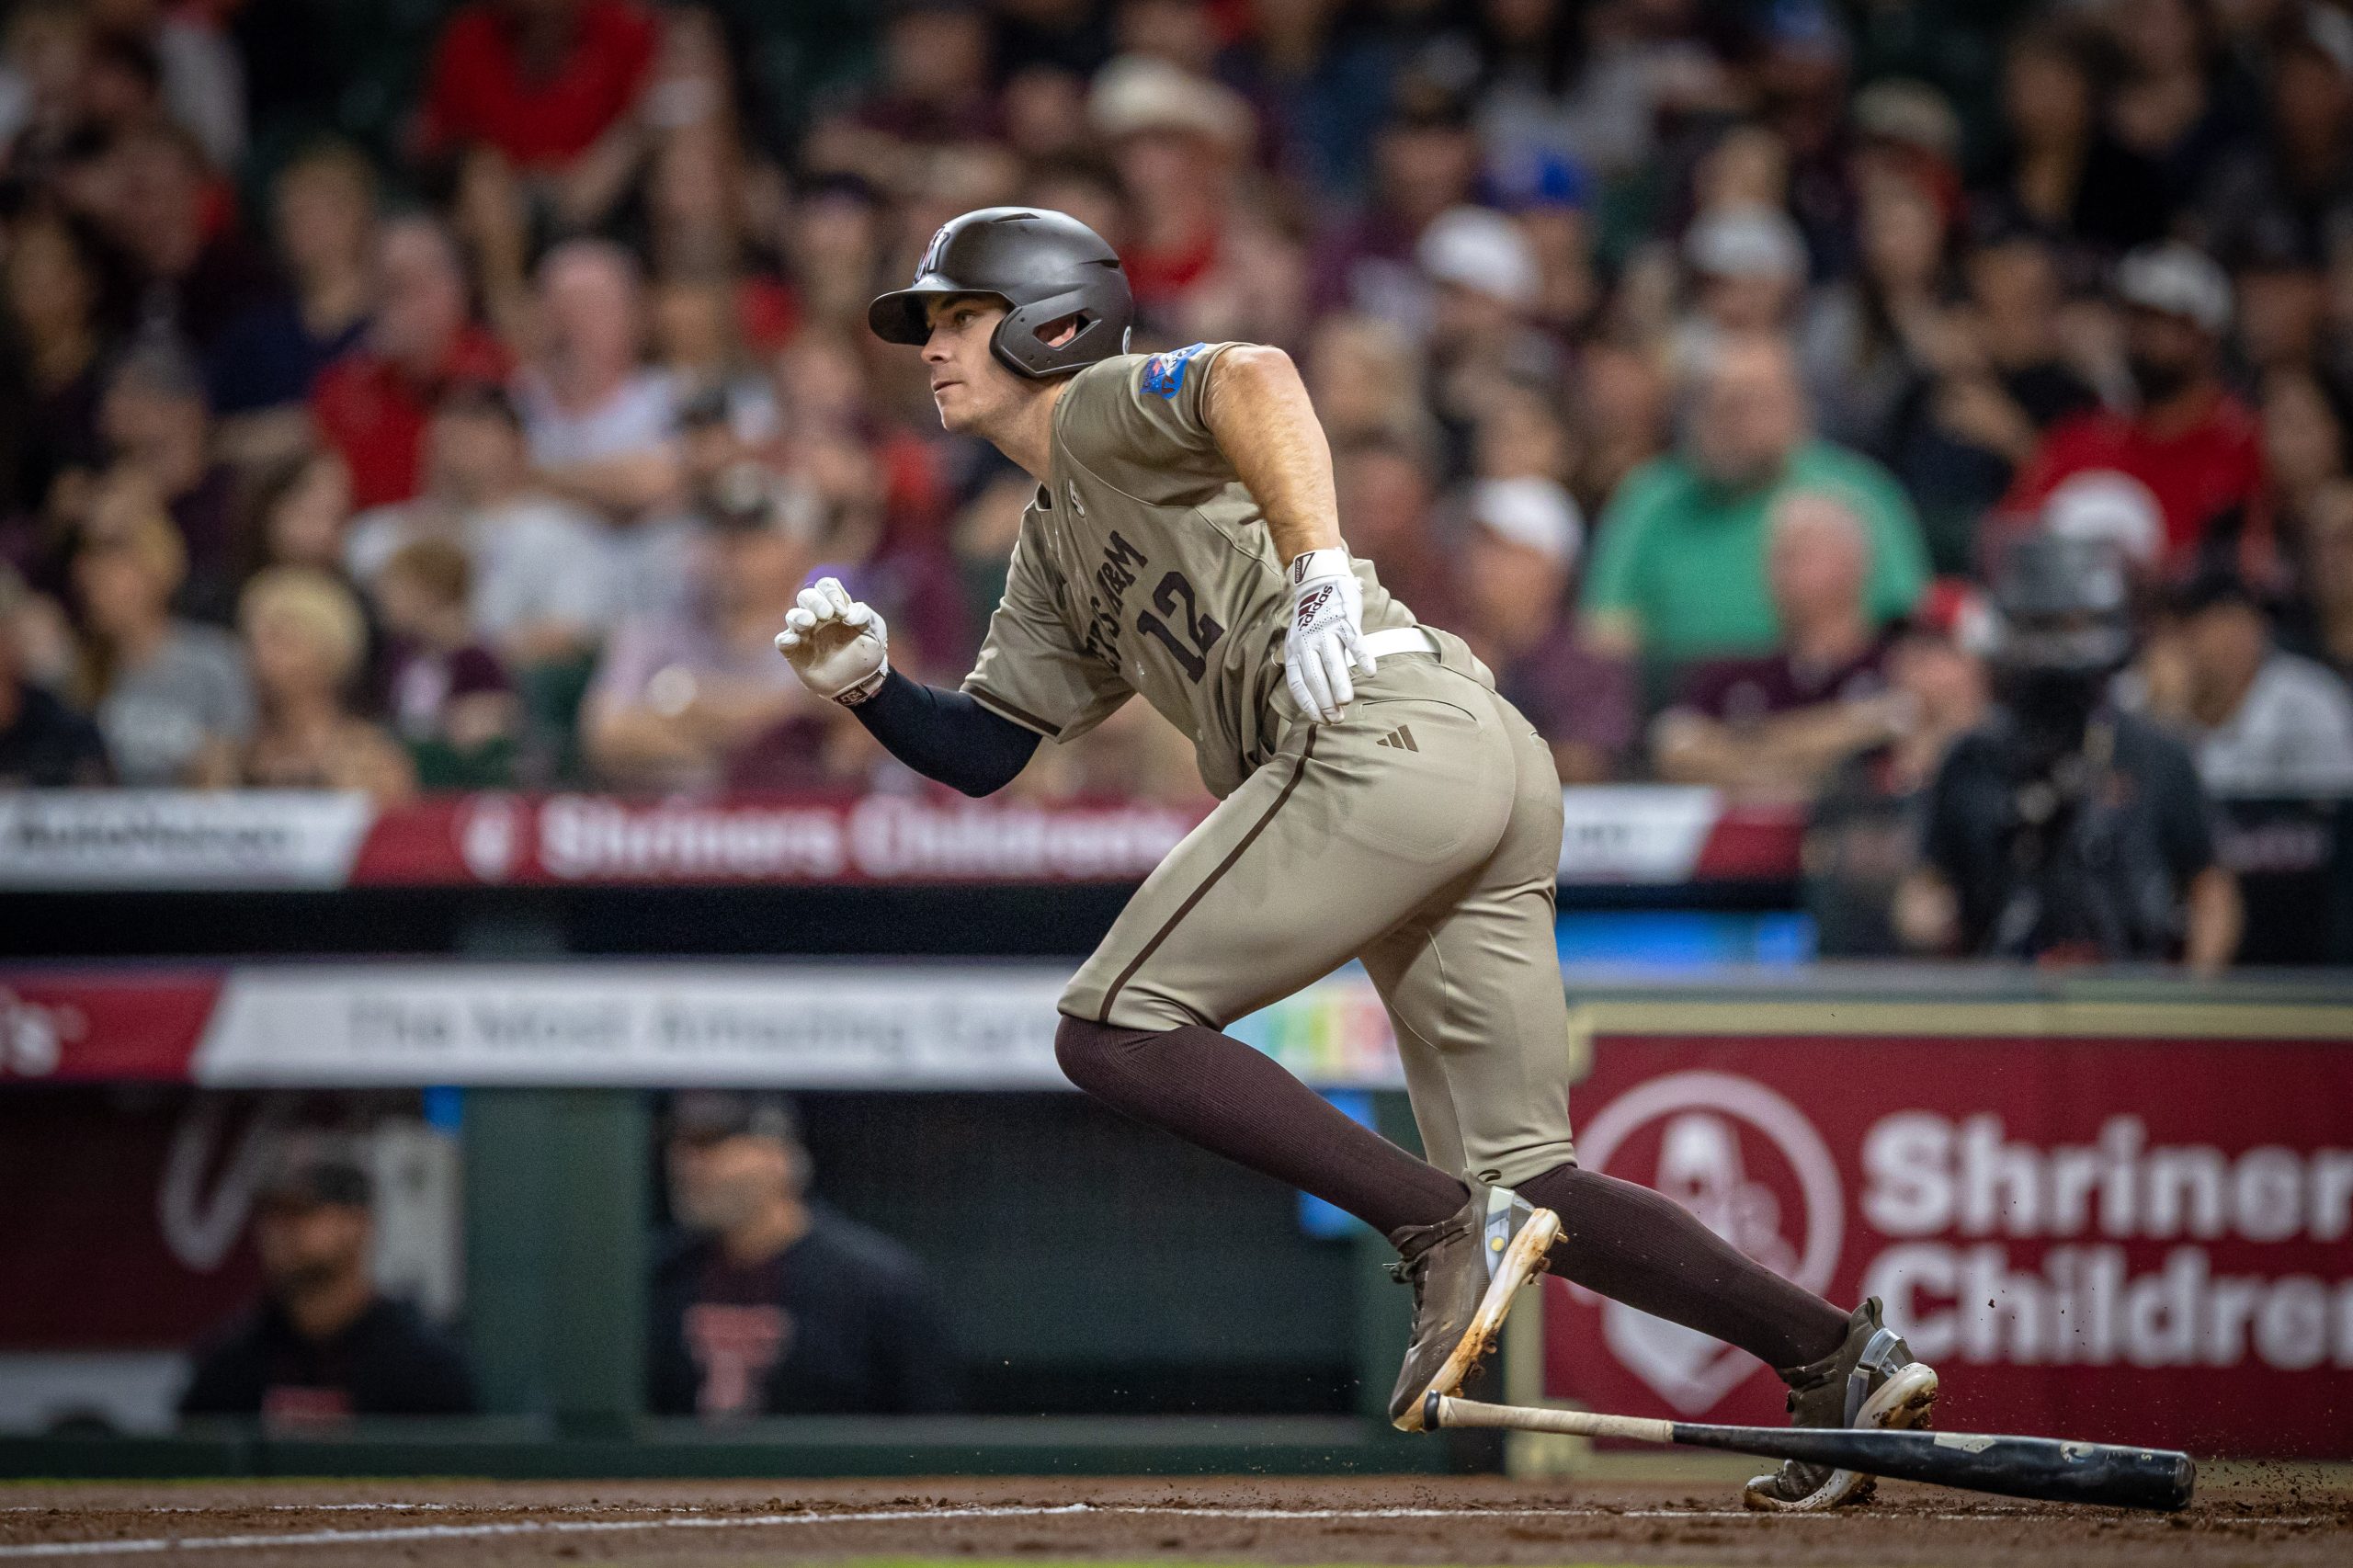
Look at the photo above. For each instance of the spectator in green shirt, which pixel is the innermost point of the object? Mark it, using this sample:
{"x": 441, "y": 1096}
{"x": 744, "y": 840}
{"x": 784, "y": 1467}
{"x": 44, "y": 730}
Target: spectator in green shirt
{"x": 1678, "y": 571}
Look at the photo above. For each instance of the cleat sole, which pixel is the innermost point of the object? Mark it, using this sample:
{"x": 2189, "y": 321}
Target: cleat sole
{"x": 1526, "y": 1258}
{"x": 1904, "y": 1403}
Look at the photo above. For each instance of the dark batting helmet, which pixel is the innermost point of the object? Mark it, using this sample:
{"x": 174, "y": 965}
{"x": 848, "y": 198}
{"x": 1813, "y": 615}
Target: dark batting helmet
{"x": 1046, "y": 266}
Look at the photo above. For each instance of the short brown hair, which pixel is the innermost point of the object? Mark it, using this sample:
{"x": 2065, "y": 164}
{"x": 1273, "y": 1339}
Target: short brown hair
{"x": 126, "y": 513}
{"x": 436, "y": 566}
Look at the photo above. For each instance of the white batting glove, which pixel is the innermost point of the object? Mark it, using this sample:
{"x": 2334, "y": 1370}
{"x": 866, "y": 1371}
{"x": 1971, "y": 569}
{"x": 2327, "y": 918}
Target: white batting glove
{"x": 838, "y": 646}
{"x": 1327, "y": 637}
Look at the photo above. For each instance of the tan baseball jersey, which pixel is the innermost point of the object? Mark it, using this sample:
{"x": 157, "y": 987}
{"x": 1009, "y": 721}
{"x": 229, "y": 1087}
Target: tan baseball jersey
{"x": 1421, "y": 833}
{"x": 1143, "y": 565}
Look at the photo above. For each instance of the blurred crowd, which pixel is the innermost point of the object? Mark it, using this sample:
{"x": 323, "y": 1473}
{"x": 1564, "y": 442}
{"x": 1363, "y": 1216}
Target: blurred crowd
{"x": 402, "y": 396}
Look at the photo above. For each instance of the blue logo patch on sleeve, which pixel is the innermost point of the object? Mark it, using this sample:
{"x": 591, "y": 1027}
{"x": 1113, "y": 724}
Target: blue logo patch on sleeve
{"x": 1165, "y": 373}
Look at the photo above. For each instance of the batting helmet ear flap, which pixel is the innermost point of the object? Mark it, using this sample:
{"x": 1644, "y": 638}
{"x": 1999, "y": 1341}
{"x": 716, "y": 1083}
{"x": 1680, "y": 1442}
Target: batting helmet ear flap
{"x": 1017, "y": 346}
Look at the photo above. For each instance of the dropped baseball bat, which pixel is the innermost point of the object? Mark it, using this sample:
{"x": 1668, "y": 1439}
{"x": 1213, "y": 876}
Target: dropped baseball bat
{"x": 2050, "y": 1469}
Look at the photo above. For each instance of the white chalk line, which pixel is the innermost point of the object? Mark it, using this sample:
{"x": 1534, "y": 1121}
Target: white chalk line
{"x": 524, "y": 1527}
{"x": 387, "y": 1534}
{"x": 361, "y": 1507}
{"x": 297, "y": 1507}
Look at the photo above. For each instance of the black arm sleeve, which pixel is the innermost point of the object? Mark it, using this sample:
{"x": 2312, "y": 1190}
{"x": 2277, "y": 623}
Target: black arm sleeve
{"x": 947, "y": 735}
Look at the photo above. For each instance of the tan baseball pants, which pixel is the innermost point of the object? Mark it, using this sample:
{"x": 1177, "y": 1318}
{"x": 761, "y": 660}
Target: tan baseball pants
{"x": 1422, "y": 835}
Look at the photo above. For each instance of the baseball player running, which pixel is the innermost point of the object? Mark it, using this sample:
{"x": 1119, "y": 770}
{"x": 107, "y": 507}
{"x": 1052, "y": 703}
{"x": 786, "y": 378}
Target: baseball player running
{"x": 1379, "y": 802}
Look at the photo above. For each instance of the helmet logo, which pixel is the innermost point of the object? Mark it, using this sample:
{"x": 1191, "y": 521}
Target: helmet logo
{"x": 934, "y": 251}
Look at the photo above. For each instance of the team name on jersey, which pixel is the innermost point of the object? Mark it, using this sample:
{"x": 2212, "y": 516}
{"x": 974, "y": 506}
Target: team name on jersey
{"x": 1107, "y": 600}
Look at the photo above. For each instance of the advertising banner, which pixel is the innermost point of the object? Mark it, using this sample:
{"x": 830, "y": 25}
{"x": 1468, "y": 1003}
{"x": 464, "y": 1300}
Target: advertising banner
{"x": 173, "y": 839}
{"x": 95, "y": 840}
{"x": 2121, "y": 1239}
{"x": 792, "y": 1026}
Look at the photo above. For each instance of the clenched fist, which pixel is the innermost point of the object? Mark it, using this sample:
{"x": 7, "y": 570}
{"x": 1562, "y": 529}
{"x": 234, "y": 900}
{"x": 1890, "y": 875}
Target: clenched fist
{"x": 838, "y": 645}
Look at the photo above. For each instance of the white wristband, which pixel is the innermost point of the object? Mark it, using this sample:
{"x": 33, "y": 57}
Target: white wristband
{"x": 1331, "y": 561}
{"x": 859, "y": 690}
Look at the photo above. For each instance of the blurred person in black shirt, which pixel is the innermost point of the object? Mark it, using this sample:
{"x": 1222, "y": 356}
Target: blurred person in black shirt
{"x": 322, "y": 1346}
{"x": 2064, "y": 829}
{"x": 2061, "y": 172}
{"x": 195, "y": 268}
{"x": 2289, "y": 191}
{"x": 1863, "y": 837}
{"x": 774, "y": 1304}
{"x": 44, "y": 744}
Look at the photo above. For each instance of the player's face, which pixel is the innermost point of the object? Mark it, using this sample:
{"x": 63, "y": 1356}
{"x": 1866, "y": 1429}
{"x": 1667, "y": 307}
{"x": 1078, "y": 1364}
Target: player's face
{"x": 971, "y": 391}
{"x": 304, "y": 1247}
{"x": 722, "y": 1184}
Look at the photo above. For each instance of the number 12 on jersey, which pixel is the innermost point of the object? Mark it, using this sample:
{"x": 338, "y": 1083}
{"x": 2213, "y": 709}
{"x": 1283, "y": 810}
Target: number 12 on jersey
{"x": 1199, "y": 631}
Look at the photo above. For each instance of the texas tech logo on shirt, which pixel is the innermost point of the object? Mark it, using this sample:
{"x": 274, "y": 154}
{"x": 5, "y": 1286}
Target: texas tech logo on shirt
{"x": 296, "y": 1405}
{"x": 736, "y": 1346}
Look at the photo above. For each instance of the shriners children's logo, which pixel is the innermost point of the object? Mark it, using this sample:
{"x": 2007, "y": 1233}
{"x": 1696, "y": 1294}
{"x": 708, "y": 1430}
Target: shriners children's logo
{"x": 1750, "y": 1164}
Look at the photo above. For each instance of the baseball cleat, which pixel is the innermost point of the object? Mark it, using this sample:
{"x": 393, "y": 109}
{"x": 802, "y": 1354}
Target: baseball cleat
{"x": 1464, "y": 1271}
{"x": 1870, "y": 1380}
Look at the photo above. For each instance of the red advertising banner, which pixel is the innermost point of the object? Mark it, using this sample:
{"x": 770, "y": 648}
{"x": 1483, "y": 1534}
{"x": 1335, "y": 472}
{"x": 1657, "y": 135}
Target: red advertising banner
{"x": 86, "y": 840}
{"x": 127, "y": 1231}
{"x": 70, "y": 1026}
{"x": 2116, "y": 1239}
{"x": 877, "y": 838}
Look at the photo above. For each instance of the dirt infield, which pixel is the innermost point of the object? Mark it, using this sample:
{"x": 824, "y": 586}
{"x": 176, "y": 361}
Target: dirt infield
{"x": 2251, "y": 1518}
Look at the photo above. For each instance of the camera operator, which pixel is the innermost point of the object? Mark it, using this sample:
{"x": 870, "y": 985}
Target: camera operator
{"x": 2062, "y": 829}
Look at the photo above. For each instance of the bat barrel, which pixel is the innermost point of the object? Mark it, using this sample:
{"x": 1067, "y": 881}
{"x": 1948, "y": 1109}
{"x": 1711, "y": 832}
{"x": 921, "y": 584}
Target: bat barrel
{"x": 2047, "y": 1468}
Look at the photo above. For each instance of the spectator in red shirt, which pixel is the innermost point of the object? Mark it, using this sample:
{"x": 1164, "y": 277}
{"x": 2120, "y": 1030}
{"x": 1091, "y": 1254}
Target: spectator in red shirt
{"x": 539, "y": 80}
{"x": 372, "y": 405}
{"x": 2198, "y": 448}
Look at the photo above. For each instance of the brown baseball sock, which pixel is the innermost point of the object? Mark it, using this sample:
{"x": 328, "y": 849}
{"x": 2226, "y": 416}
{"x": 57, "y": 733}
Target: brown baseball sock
{"x": 1638, "y": 1247}
{"x": 1644, "y": 1249}
{"x": 1212, "y": 1090}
